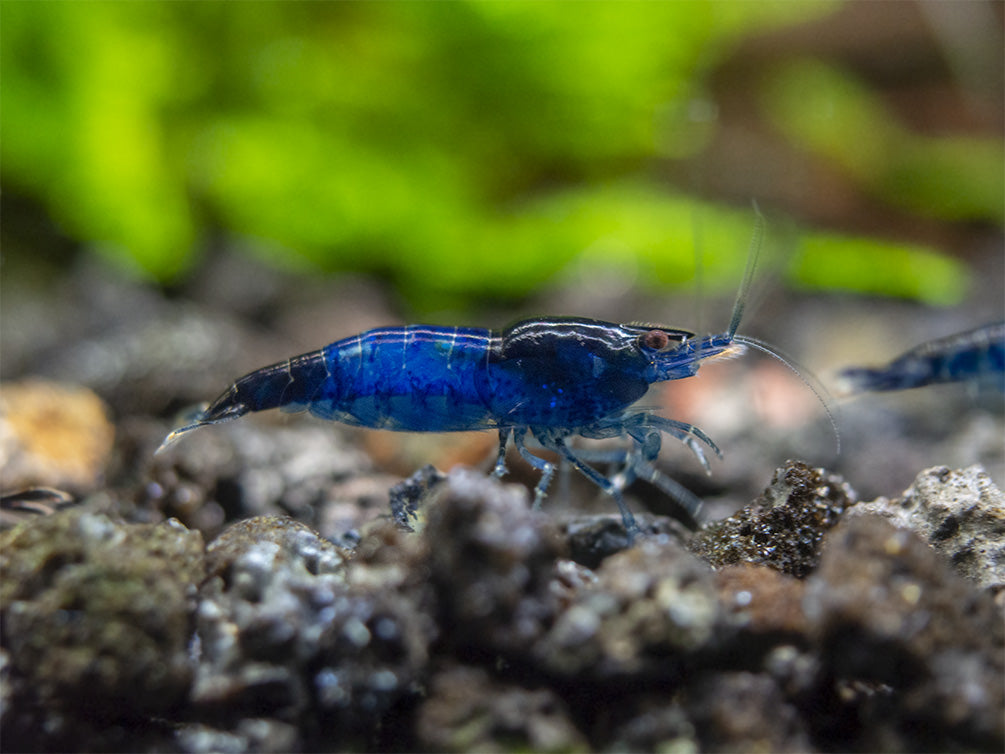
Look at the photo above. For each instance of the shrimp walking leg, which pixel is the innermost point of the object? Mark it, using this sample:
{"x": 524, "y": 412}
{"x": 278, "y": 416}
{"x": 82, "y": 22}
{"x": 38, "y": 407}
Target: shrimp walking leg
{"x": 637, "y": 463}
{"x": 688, "y": 434}
{"x": 640, "y": 466}
{"x": 558, "y": 444}
{"x": 546, "y": 468}
{"x": 636, "y": 424}
{"x": 499, "y": 469}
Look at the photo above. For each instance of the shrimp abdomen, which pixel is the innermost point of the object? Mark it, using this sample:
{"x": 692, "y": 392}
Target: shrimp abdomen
{"x": 417, "y": 378}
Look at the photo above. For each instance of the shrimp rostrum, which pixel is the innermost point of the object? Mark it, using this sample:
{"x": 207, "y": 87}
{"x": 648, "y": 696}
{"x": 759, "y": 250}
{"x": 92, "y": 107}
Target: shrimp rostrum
{"x": 551, "y": 379}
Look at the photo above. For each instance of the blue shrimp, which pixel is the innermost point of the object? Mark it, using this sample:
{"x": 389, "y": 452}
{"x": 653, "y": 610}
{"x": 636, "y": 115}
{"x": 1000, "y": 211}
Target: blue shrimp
{"x": 549, "y": 378}
{"x": 978, "y": 354}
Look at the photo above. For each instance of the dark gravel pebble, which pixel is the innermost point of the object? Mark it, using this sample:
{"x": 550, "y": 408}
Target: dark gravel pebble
{"x": 479, "y": 631}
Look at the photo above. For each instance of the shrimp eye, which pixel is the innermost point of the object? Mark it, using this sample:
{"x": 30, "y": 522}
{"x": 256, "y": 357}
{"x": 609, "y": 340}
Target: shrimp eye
{"x": 654, "y": 339}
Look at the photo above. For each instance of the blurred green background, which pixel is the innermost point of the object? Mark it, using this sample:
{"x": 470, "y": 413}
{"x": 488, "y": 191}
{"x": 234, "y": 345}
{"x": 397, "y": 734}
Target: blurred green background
{"x": 471, "y": 151}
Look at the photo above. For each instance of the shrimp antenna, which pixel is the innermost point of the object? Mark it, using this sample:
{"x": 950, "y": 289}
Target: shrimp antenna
{"x": 699, "y": 267}
{"x": 814, "y": 384}
{"x": 753, "y": 252}
{"x": 816, "y": 387}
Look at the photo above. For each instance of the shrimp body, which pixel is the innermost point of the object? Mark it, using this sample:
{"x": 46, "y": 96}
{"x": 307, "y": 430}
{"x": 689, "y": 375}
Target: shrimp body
{"x": 549, "y": 373}
{"x": 977, "y": 354}
{"x": 550, "y": 378}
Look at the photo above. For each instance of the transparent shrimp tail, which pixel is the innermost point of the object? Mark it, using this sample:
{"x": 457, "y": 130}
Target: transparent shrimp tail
{"x": 174, "y": 435}
{"x": 223, "y": 410}
{"x": 288, "y": 385}
{"x": 855, "y": 380}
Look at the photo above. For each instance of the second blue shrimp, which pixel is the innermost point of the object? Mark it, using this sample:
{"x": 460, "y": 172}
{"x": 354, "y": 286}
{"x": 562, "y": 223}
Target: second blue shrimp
{"x": 977, "y": 355}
